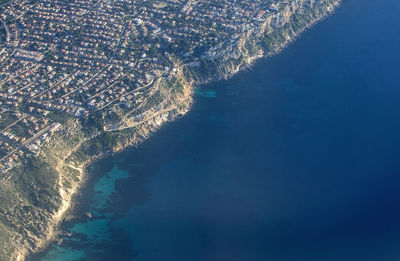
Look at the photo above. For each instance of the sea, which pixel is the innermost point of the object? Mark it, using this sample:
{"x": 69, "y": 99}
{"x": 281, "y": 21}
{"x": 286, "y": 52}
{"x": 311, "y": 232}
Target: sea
{"x": 295, "y": 159}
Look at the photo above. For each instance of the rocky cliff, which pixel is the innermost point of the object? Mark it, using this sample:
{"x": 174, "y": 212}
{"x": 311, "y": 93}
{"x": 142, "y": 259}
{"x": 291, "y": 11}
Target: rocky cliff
{"x": 36, "y": 196}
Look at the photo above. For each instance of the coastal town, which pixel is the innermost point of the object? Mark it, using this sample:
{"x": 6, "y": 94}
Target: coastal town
{"x": 81, "y": 80}
{"x": 76, "y": 58}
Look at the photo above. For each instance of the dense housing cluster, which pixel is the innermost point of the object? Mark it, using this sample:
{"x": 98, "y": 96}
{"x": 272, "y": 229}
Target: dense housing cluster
{"x": 79, "y": 57}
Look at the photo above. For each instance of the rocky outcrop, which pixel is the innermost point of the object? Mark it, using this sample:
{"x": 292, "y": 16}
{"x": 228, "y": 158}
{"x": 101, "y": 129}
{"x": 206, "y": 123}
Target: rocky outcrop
{"x": 265, "y": 39}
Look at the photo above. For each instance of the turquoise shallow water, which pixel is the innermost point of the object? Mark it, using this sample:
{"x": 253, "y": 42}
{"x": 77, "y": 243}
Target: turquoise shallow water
{"x": 296, "y": 159}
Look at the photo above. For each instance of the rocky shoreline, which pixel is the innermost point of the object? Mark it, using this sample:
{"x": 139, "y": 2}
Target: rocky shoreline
{"x": 72, "y": 150}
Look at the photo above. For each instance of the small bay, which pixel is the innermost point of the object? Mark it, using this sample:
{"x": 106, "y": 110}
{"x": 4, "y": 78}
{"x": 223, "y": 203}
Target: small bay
{"x": 295, "y": 159}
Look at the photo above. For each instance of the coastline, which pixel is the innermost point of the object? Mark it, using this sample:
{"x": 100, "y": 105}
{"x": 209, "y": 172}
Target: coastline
{"x": 140, "y": 133}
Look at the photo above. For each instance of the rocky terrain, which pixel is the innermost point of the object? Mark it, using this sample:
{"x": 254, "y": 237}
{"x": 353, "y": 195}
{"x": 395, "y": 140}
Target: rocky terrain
{"x": 36, "y": 195}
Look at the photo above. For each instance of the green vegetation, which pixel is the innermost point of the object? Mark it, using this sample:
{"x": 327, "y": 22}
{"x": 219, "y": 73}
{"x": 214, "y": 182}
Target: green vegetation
{"x": 128, "y": 17}
{"x": 7, "y": 118}
{"x": 19, "y": 130}
{"x": 3, "y": 35}
{"x": 60, "y": 117}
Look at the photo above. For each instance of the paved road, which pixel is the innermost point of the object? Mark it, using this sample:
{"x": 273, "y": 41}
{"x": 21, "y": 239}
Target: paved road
{"x": 34, "y": 137}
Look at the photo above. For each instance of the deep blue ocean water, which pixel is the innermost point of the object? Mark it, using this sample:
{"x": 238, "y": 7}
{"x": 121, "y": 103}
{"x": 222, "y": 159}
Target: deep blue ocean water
{"x": 294, "y": 160}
